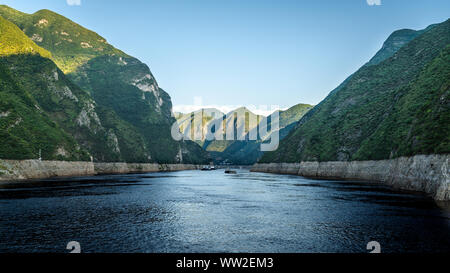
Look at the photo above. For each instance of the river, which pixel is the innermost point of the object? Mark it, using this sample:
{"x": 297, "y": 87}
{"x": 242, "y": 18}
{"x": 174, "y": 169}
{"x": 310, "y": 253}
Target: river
{"x": 195, "y": 211}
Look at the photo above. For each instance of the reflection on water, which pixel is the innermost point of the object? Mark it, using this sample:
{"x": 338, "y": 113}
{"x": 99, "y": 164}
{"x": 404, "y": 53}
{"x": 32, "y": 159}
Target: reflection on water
{"x": 193, "y": 211}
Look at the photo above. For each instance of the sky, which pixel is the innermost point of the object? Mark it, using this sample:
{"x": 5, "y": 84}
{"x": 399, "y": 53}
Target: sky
{"x": 228, "y": 53}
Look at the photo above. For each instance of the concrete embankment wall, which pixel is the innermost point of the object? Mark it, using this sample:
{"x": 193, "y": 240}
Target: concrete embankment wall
{"x": 11, "y": 170}
{"x": 424, "y": 173}
{"x": 118, "y": 168}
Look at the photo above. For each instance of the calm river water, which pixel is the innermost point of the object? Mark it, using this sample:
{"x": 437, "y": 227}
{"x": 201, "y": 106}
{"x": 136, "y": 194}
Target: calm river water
{"x": 194, "y": 211}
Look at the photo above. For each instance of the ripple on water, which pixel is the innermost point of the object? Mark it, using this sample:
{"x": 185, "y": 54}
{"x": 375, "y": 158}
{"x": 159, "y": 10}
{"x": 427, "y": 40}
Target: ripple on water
{"x": 196, "y": 211}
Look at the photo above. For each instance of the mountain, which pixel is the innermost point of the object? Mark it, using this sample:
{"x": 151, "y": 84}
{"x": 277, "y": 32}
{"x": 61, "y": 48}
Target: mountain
{"x": 249, "y": 152}
{"x": 207, "y": 115}
{"x": 124, "y": 116}
{"x": 396, "y": 105}
{"x": 394, "y": 42}
{"x": 239, "y": 119}
{"x": 14, "y": 41}
{"x": 293, "y": 114}
{"x": 25, "y": 127}
{"x": 241, "y": 150}
{"x": 71, "y": 44}
{"x": 242, "y": 120}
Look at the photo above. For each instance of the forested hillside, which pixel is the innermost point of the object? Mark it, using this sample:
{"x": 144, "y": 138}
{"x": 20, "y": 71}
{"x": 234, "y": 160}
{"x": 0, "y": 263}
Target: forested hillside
{"x": 397, "y": 105}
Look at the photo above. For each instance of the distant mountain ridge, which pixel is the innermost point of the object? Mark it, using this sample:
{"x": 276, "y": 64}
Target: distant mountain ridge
{"x": 242, "y": 150}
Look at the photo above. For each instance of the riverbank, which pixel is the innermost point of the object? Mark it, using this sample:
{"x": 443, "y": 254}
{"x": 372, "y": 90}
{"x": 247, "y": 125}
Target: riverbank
{"x": 13, "y": 170}
{"x": 429, "y": 174}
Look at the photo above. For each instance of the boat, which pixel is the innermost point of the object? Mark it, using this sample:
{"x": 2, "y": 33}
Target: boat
{"x": 209, "y": 167}
{"x": 228, "y": 171}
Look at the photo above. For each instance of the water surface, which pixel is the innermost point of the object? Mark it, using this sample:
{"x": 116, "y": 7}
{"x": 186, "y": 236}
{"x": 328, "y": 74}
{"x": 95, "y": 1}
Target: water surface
{"x": 194, "y": 211}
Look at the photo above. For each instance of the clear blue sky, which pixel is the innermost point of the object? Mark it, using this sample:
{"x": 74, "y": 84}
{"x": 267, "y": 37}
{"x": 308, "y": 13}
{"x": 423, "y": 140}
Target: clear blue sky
{"x": 247, "y": 51}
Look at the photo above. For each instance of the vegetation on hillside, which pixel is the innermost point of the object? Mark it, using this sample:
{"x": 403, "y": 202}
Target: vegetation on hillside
{"x": 25, "y": 128}
{"x": 14, "y": 41}
{"x": 419, "y": 122}
{"x": 395, "y": 108}
{"x": 70, "y": 44}
{"x": 127, "y": 87}
{"x": 249, "y": 152}
{"x": 67, "y": 92}
{"x": 108, "y": 101}
{"x": 236, "y": 151}
{"x": 186, "y": 123}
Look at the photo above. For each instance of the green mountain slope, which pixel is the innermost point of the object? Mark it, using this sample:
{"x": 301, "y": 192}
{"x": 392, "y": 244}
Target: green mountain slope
{"x": 59, "y": 100}
{"x": 186, "y": 121}
{"x": 134, "y": 112}
{"x": 126, "y": 86}
{"x": 249, "y": 152}
{"x": 293, "y": 114}
{"x": 14, "y": 41}
{"x": 71, "y": 44}
{"x": 25, "y": 128}
{"x": 238, "y": 119}
{"x": 395, "y": 41}
{"x": 72, "y": 108}
{"x": 397, "y": 107}
{"x": 419, "y": 122}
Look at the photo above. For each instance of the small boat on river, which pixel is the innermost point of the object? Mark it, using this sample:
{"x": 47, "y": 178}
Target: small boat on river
{"x": 228, "y": 171}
